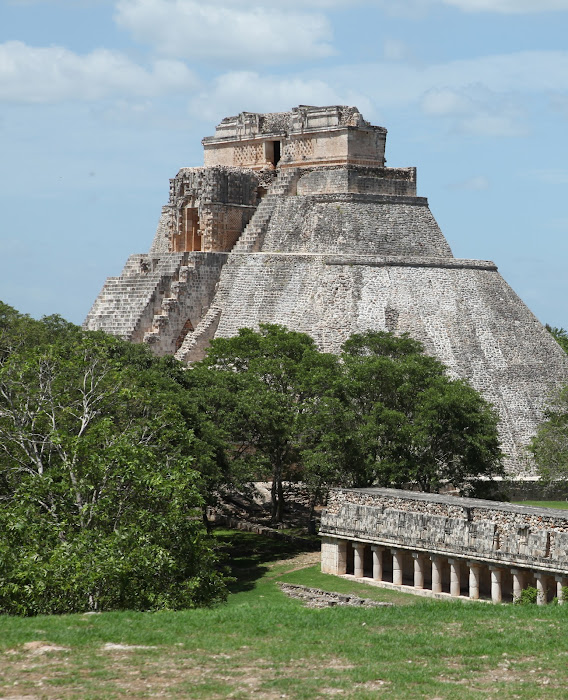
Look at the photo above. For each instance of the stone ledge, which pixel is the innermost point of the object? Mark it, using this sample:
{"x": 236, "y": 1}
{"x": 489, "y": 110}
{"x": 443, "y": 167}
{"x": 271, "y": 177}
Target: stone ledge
{"x": 448, "y": 263}
{"x": 424, "y": 592}
{"x": 337, "y": 198}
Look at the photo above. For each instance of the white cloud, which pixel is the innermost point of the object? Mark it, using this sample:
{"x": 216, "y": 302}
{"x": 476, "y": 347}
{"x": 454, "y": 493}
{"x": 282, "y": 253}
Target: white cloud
{"x": 243, "y": 33}
{"x": 508, "y": 6}
{"x": 419, "y": 8}
{"x": 396, "y": 50}
{"x": 232, "y": 92}
{"x": 477, "y": 110}
{"x": 474, "y": 184}
{"x": 489, "y": 95}
{"x": 50, "y": 74}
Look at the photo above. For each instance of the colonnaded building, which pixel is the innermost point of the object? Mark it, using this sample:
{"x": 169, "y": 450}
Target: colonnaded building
{"x": 294, "y": 219}
{"x": 445, "y": 546}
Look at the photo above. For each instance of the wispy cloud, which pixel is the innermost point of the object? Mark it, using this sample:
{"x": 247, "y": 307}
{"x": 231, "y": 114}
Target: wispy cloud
{"x": 230, "y": 91}
{"x": 51, "y": 74}
{"x": 508, "y": 6}
{"x": 243, "y": 33}
{"x": 476, "y": 183}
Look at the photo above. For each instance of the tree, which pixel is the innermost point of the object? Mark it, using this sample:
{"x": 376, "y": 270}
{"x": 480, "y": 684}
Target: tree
{"x": 397, "y": 418}
{"x": 382, "y": 413}
{"x": 99, "y": 496}
{"x": 264, "y": 387}
{"x": 550, "y": 445}
{"x": 560, "y": 335}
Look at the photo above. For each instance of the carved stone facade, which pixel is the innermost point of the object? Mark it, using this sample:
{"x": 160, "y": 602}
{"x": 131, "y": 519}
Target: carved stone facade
{"x": 442, "y": 545}
{"x": 296, "y": 220}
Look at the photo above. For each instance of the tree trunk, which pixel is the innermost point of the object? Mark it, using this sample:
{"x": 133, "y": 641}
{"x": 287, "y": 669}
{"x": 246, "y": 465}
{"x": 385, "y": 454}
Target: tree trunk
{"x": 277, "y": 495}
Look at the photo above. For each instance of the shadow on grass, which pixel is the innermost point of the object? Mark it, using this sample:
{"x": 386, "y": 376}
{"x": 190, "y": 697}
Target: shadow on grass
{"x": 247, "y": 554}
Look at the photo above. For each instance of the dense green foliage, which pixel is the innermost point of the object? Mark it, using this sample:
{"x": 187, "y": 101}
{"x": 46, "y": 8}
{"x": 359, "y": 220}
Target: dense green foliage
{"x": 99, "y": 497}
{"x": 381, "y": 413}
{"x": 560, "y": 335}
{"x": 550, "y": 445}
{"x": 400, "y": 419}
{"x": 108, "y": 455}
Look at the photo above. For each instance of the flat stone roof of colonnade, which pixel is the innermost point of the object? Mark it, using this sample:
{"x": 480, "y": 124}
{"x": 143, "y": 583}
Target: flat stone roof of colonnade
{"x": 386, "y": 497}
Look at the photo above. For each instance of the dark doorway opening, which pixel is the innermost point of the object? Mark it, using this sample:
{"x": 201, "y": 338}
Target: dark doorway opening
{"x": 276, "y": 152}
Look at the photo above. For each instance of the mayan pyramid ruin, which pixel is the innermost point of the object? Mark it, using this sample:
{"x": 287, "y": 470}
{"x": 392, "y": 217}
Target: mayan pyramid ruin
{"x": 294, "y": 219}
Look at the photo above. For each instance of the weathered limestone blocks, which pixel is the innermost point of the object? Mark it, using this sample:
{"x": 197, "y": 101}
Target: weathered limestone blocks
{"x": 498, "y": 532}
{"x": 207, "y": 211}
{"x": 158, "y": 299}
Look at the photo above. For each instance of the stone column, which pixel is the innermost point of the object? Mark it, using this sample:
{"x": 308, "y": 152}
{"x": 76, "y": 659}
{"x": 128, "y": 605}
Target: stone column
{"x": 436, "y": 573}
{"x": 455, "y": 583}
{"x": 377, "y": 562}
{"x": 518, "y": 581}
{"x": 474, "y": 570}
{"x": 397, "y": 566}
{"x": 341, "y": 557}
{"x": 358, "y": 554}
{"x": 560, "y": 582}
{"x": 418, "y": 569}
{"x": 541, "y": 587}
{"x": 496, "y": 595}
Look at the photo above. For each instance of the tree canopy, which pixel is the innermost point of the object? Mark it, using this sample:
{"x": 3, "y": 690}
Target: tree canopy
{"x": 399, "y": 419}
{"x": 382, "y": 412}
{"x": 550, "y": 445}
{"x": 560, "y": 335}
{"x": 109, "y": 455}
{"x": 99, "y": 493}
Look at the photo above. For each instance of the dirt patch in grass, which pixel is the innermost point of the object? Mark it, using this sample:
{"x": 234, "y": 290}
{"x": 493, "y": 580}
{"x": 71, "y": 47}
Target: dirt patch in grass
{"x": 507, "y": 672}
{"x": 302, "y": 561}
{"x": 43, "y": 671}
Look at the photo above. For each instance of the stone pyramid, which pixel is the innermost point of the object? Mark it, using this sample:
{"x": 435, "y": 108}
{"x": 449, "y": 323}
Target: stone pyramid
{"x": 294, "y": 219}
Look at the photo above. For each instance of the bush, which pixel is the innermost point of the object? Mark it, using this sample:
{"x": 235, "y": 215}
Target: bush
{"x": 528, "y": 596}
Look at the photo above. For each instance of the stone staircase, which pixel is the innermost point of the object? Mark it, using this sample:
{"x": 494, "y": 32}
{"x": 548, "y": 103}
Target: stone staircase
{"x": 178, "y": 285}
{"x": 195, "y": 344}
{"x": 127, "y": 304}
{"x": 252, "y": 237}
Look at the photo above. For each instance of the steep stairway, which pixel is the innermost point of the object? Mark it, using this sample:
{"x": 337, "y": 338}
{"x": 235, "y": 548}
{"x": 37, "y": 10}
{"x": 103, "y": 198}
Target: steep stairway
{"x": 252, "y": 237}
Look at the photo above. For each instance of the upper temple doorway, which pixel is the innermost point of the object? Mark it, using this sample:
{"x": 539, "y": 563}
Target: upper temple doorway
{"x": 188, "y": 239}
{"x": 273, "y": 152}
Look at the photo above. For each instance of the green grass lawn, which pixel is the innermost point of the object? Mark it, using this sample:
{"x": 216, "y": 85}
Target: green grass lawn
{"x": 563, "y": 505}
{"x": 262, "y": 644}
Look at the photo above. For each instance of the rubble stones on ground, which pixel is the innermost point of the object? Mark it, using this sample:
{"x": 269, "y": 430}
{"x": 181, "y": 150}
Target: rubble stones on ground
{"x": 316, "y": 598}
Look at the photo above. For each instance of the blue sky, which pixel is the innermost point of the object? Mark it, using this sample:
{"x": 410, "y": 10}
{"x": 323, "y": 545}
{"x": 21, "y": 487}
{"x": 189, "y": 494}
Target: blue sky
{"x": 102, "y": 101}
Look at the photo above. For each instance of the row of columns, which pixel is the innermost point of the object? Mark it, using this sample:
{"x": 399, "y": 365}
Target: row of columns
{"x": 474, "y": 567}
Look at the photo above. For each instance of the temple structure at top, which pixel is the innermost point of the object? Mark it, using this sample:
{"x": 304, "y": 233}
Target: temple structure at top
{"x": 306, "y": 136}
{"x": 295, "y": 219}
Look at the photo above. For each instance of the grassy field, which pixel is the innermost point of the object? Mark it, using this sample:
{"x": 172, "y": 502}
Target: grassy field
{"x": 563, "y": 505}
{"x": 264, "y": 645}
